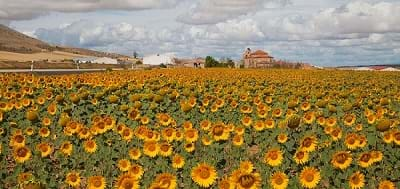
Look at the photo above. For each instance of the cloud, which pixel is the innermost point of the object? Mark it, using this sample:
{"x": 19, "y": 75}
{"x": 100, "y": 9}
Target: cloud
{"x": 353, "y": 20}
{"x": 215, "y": 11}
{"x": 27, "y": 9}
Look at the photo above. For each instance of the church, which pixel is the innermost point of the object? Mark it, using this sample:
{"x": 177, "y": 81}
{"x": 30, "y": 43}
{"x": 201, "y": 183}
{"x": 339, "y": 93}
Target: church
{"x": 257, "y": 59}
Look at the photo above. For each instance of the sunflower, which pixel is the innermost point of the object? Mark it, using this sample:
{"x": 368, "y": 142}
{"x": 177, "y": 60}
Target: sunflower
{"x": 168, "y": 134}
{"x": 23, "y": 177}
{"x": 376, "y": 156}
{"x": 262, "y": 114}
{"x": 336, "y": 133}
{"x": 178, "y": 161}
{"x": 269, "y": 123}
{"x": 205, "y": 125}
{"x": 259, "y": 125}
{"x": 84, "y": 133}
{"x": 225, "y": 183}
{"x": 31, "y": 115}
{"x": 309, "y": 117}
{"x": 386, "y": 184}
{"x": 341, "y": 159}
{"x": 44, "y": 132}
{"x": 351, "y": 141}
{"x": 301, "y": 157}
{"x": 136, "y": 171}
{"x": 145, "y": 120}
{"x": 134, "y": 114}
{"x": 206, "y": 140}
{"x": 165, "y": 181}
{"x": 164, "y": 119}
{"x": 191, "y": 135}
{"x": 90, "y": 146}
{"x": 349, "y": 119}
{"x": 151, "y": 148}
{"x": 238, "y": 140}
{"x": 309, "y": 144}
{"x": 279, "y": 180}
{"x": 309, "y": 177}
{"x": 331, "y": 121}
{"x": 165, "y": 149}
{"x": 359, "y": 127}
{"x": 247, "y": 121}
{"x": 73, "y": 179}
{"x": 371, "y": 119}
{"x": 356, "y": 180}
{"x": 45, "y": 149}
{"x": 52, "y": 109}
{"x": 365, "y": 160}
{"x": 96, "y": 182}
{"x": 305, "y": 106}
{"x": 21, "y": 154}
{"x": 189, "y": 147}
{"x": 273, "y": 157}
{"x": 204, "y": 175}
{"x": 240, "y": 130}
{"x": 362, "y": 141}
{"x": 282, "y": 138}
{"x": 124, "y": 165}
{"x": 321, "y": 121}
{"x": 178, "y": 135}
{"x": 396, "y": 137}
{"x": 66, "y": 148}
{"x": 17, "y": 140}
{"x": 246, "y": 166}
{"x": 46, "y": 121}
{"x": 127, "y": 134}
{"x": 219, "y": 132}
{"x": 126, "y": 181}
{"x": 245, "y": 180}
{"x": 134, "y": 153}
{"x": 388, "y": 137}
{"x": 277, "y": 112}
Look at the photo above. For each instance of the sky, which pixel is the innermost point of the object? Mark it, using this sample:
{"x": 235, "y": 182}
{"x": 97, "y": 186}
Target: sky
{"x": 320, "y": 32}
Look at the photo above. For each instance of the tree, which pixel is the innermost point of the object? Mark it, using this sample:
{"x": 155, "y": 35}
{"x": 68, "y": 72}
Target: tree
{"x": 230, "y": 63}
{"x": 211, "y": 62}
{"x": 135, "y": 54}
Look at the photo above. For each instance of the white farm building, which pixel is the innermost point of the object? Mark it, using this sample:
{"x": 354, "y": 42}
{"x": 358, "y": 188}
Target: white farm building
{"x": 97, "y": 60}
{"x": 159, "y": 59}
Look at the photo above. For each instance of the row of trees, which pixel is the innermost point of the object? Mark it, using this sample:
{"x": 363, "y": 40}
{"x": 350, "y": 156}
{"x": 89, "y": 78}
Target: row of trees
{"x": 223, "y": 63}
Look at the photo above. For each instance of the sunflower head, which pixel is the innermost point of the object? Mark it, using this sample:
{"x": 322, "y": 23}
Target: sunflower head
{"x": 279, "y": 180}
{"x": 73, "y": 179}
{"x": 309, "y": 177}
{"x": 204, "y": 175}
{"x": 96, "y": 182}
{"x": 356, "y": 180}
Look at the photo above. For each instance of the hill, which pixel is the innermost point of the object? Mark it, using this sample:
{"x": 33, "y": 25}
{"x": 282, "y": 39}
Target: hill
{"x": 16, "y": 42}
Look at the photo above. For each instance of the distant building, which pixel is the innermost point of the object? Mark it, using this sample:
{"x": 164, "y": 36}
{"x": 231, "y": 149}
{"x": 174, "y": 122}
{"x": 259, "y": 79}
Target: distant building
{"x": 190, "y": 63}
{"x": 97, "y": 60}
{"x": 105, "y": 60}
{"x": 257, "y": 59}
{"x": 159, "y": 59}
{"x": 83, "y": 60}
{"x": 390, "y": 69}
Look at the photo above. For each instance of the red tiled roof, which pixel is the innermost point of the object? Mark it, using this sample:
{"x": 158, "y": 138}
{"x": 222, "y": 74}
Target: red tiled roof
{"x": 260, "y": 54}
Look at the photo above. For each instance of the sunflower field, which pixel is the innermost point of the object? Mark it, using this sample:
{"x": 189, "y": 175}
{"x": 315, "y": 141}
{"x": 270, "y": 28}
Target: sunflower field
{"x": 208, "y": 128}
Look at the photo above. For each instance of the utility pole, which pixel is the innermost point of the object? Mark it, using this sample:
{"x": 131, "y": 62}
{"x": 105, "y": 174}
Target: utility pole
{"x": 32, "y": 65}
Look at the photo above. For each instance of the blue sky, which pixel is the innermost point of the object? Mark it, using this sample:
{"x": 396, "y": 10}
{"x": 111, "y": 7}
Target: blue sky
{"x": 321, "y": 32}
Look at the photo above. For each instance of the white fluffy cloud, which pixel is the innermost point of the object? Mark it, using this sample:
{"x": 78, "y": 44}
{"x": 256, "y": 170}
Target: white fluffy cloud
{"x": 28, "y": 9}
{"x": 352, "y": 20}
{"x": 214, "y": 11}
